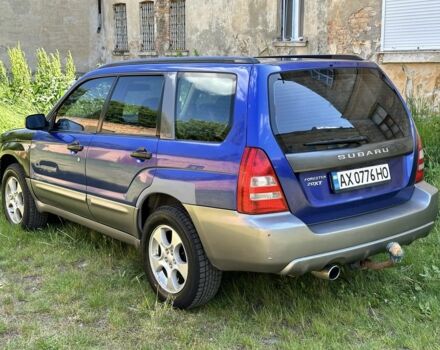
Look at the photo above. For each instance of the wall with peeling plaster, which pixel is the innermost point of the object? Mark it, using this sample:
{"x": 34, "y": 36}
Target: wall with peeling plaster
{"x": 54, "y": 25}
{"x": 239, "y": 27}
{"x": 220, "y": 27}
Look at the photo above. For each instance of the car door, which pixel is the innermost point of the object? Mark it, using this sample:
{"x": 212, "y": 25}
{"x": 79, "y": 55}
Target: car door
{"x": 122, "y": 155}
{"x": 58, "y": 155}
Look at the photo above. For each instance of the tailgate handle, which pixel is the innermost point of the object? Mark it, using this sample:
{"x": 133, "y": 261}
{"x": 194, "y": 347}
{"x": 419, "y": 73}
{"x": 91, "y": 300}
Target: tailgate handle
{"x": 141, "y": 153}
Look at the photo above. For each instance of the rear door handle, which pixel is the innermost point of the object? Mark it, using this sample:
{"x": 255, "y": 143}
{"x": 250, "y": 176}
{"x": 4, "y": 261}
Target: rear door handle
{"x": 75, "y": 147}
{"x": 141, "y": 153}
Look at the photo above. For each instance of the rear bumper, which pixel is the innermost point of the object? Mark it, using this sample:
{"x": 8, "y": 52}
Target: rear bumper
{"x": 283, "y": 244}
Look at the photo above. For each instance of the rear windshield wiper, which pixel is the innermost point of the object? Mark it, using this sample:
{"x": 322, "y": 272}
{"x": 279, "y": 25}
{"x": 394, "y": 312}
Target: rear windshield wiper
{"x": 339, "y": 141}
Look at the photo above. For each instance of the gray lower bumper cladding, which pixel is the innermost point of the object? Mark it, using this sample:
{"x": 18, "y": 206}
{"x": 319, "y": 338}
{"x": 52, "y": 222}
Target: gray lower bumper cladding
{"x": 283, "y": 244}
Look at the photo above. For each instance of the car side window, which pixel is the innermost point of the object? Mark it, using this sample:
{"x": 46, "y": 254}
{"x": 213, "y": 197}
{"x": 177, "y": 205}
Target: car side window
{"x": 204, "y": 106}
{"x": 134, "y": 107}
{"x": 81, "y": 111}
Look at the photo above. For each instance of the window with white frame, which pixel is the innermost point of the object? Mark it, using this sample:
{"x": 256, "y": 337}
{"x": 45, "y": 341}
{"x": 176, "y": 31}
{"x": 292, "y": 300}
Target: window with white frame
{"x": 291, "y": 18}
{"x": 146, "y": 16}
{"x": 121, "y": 37}
{"x": 409, "y": 25}
{"x": 177, "y": 25}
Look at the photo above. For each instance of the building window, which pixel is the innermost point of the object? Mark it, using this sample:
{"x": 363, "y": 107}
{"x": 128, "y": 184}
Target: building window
{"x": 291, "y": 15}
{"x": 146, "y": 13}
{"x": 120, "y": 14}
{"x": 177, "y": 25}
{"x": 410, "y": 25}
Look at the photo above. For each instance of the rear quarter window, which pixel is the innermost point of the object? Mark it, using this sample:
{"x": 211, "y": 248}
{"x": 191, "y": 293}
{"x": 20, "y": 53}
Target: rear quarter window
{"x": 204, "y": 106}
{"x": 311, "y": 106}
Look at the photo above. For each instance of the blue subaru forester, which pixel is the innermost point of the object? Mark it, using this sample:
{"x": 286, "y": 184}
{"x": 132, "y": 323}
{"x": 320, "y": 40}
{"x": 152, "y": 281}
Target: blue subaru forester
{"x": 281, "y": 165}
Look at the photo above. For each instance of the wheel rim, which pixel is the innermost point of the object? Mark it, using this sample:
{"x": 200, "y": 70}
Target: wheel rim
{"x": 168, "y": 259}
{"x": 14, "y": 200}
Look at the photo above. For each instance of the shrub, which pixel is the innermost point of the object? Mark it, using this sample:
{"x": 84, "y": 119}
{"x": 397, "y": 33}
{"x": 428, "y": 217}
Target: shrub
{"x": 20, "y": 85}
{"x": 4, "y": 81}
{"x": 48, "y": 84}
{"x": 424, "y": 106}
{"x": 70, "y": 69}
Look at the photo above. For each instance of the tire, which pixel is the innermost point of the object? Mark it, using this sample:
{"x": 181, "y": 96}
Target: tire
{"x": 160, "y": 259}
{"x": 25, "y": 213}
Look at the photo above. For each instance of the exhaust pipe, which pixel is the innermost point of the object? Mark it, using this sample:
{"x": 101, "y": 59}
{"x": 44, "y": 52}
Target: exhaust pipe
{"x": 330, "y": 273}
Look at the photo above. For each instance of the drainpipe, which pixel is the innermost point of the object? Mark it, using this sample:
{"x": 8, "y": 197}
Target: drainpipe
{"x": 99, "y": 16}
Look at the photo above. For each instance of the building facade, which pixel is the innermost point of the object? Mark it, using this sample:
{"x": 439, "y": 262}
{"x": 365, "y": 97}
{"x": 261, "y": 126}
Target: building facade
{"x": 53, "y": 25}
{"x": 402, "y": 36}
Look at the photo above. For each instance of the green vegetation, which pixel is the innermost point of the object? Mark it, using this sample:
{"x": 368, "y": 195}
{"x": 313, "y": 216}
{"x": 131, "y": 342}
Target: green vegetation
{"x": 67, "y": 287}
{"x": 41, "y": 90}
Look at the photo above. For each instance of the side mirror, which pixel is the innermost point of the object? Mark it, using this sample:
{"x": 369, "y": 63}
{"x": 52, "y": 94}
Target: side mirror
{"x": 36, "y": 122}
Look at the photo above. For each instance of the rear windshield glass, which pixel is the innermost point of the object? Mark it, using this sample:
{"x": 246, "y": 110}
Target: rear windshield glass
{"x": 322, "y": 109}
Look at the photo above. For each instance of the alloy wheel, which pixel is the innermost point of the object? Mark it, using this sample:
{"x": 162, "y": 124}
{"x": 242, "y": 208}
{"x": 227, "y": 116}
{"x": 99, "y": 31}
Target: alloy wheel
{"x": 168, "y": 259}
{"x": 14, "y": 200}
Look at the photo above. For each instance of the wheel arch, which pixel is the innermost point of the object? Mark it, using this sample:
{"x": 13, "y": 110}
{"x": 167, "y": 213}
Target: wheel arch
{"x": 5, "y": 161}
{"x": 153, "y": 201}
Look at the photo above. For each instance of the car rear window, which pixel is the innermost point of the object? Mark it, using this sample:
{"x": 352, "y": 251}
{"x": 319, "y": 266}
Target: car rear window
{"x": 322, "y": 109}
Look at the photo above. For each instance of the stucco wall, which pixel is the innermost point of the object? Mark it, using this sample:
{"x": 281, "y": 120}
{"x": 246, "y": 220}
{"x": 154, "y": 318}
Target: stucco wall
{"x": 420, "y": 80}
{"x": 215, "y": 27}
{"x": 244, "y": 27}
{"x": 54, "y": 25}
{"x": 354, "y": 27}
{"x": 241, "y": 27}
{"x": 251, "y": 27}
{"x": 231, "y": 27}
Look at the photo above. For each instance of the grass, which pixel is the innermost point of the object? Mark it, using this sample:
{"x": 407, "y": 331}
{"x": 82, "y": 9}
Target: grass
{"x": 67, "y": 287}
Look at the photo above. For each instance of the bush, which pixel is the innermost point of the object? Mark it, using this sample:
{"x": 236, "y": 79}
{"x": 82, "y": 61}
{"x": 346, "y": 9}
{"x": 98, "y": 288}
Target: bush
{"x": 50, "y": 83}
{"x": 423, "y": 106}
{"x": 43, "y": 89}
{"x": 4, "y": 81}
{"x": 20, "y": 85}
{"x": 427, "y": 118}
{"x": 70, "y": 69}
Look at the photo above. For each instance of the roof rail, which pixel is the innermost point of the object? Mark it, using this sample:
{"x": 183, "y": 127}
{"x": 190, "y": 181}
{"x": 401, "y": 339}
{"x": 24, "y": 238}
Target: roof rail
{"x": 191, "y": 59}
{"x": 322, "y": 57}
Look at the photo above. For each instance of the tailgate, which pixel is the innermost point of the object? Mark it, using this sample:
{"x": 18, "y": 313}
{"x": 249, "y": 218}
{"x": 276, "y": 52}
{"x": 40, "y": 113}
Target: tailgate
{"x": 347, "y": 138}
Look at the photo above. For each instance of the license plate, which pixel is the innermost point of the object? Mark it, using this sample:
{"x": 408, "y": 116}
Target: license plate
{"x": 362, "y": 177}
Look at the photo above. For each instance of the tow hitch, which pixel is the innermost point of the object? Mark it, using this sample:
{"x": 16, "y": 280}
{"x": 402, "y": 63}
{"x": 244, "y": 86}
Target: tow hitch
{"x": 395, "y": 252}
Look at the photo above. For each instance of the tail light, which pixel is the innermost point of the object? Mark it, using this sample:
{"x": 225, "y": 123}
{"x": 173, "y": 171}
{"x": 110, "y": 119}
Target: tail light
{"x": 259, "y": 190}
{"x": 420, "y": 172}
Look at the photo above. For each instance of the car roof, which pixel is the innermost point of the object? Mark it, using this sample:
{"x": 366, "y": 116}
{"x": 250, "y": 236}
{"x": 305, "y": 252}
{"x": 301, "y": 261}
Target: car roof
{"x": 228, "y": 60}
{"x": 224, "y": 62}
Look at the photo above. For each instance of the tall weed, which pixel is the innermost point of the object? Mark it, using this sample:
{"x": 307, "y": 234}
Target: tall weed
{"x": 20, "y": 86}
{"x": 70, "y": 69}
{"x": 427, "y": 118}
{"x": 42, "y": 89}
{"x": 424, "y": 107}
{"x": 50, "y": 83}
{"x": 4, "y": 81}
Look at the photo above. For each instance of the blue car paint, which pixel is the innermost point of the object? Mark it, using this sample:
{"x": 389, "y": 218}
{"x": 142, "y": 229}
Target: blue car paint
{"x": 63, "y": 168}
{"x": 212, "y": 168}
{"x": 315, "y": 205}
{"x": 112, "y": 173}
